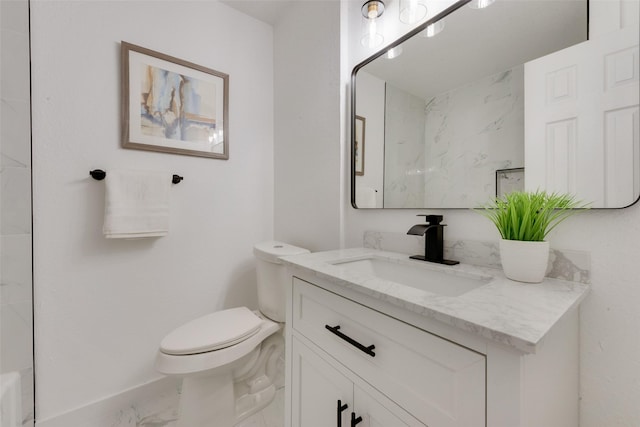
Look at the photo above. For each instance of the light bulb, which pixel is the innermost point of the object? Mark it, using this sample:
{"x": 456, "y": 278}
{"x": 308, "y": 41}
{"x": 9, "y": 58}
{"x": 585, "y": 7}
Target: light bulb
{"x": 395, "y": 52}
{"x": 433, "y": 29}
{"x": 480, "y": 4}
{"x": 372, "y": 36}
{"x": 372, "y": 11}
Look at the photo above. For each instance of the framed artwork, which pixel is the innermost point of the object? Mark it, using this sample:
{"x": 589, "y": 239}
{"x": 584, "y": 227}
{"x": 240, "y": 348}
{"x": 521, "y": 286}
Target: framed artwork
{"x": 173, "y": 106}
{"x": 508, "y": 180}
{"x": 359, "y": 145}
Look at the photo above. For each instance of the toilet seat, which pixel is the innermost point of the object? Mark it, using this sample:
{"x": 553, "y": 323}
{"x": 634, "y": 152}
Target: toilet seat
{"x": 212, "y": 332}
{"x": 198, "y": 363}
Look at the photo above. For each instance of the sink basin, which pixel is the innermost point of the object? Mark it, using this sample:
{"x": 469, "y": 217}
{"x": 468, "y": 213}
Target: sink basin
{"x": 416, "y": 275}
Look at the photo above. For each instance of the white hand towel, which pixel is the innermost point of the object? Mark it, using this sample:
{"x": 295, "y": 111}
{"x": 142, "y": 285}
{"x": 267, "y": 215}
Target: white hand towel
{"x": 136, "y": 204}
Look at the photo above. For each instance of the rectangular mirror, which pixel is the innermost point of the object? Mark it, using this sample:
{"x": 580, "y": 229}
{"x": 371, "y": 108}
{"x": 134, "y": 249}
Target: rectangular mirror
{"x": 447, "y": 116}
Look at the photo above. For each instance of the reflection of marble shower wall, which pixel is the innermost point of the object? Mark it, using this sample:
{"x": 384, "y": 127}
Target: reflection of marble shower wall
{"x": 404, "y": 149}
{"x": 472, "y": 131}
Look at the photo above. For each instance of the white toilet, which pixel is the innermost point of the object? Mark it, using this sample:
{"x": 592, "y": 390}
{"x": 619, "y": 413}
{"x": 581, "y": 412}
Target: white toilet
{"x": 229, "y": 359}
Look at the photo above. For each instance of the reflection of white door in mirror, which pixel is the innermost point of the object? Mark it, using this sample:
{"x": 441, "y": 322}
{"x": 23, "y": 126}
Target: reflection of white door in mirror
{"x": 582, "y": 120}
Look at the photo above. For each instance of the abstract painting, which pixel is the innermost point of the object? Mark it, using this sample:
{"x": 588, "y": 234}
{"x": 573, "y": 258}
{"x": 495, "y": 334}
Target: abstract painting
{"x": 172, "y": 105}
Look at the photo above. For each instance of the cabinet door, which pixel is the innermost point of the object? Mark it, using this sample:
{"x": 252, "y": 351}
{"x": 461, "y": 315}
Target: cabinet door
{"x": 378, "y": 411}
{"x": 317, "y": 386}
{"x": 315, "y": 390}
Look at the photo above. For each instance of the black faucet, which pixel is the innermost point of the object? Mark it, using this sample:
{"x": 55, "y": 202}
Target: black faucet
{"x": 433, "y": 241}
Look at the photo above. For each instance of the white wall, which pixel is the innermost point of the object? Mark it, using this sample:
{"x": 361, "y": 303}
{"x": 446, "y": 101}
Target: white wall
{"x": 307, "y": 125}
{"x": 609, "y": 317}
{"x": 102, "y": 306}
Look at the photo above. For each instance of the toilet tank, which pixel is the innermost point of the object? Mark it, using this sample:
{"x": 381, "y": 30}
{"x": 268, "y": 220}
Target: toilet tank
{"x": 272, "y": 277}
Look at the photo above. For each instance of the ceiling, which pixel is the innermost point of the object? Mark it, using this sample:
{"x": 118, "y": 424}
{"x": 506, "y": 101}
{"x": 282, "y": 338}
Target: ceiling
{"x": 263, "y": 10}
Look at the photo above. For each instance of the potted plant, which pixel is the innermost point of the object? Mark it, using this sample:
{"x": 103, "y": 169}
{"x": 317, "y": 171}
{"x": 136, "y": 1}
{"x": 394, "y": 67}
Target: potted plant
{"x": 524, "y": 219}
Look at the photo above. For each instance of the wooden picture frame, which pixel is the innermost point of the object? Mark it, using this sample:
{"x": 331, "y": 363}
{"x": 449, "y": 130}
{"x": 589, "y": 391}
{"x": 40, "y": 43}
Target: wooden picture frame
{"x": 359, "y": 144}
{"x": 173, "y": 106}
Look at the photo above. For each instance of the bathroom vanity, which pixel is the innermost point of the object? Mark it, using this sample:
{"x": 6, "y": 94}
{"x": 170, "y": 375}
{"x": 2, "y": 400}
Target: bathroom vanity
{"x": 376, "y": 339}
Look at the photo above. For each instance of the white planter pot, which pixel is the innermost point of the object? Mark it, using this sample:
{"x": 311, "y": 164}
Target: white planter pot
{"x": 524, "y": 261}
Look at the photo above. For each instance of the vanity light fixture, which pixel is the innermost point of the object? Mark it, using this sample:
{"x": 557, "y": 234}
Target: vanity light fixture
{"x": 412, "y": 11}
{"x": 480, "y": 4}
{"x": 395, "y": 52}
{"x": 433, "y": 29}
{"x": 371, "y": 12}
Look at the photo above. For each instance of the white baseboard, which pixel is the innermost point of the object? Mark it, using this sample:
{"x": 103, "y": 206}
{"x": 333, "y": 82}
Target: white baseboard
{"x": 153, "y": 404}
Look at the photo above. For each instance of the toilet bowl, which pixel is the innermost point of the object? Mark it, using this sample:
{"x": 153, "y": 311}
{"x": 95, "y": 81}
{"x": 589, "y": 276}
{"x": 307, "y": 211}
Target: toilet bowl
{"x": 231, "y": 361}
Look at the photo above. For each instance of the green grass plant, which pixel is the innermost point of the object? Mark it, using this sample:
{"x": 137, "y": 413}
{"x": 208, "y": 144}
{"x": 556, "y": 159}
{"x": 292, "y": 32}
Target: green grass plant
{"x": 530, "y": 216}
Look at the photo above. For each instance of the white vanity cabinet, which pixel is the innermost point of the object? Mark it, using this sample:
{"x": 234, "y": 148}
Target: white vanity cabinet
{"x": 401, "y": 357}
{"x": 324, "y": 395}
{"x": 387, "y": 362}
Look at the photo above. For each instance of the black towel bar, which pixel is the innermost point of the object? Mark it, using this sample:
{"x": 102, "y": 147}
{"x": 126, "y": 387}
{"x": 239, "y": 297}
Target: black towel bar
{"x": 99, "y": 175}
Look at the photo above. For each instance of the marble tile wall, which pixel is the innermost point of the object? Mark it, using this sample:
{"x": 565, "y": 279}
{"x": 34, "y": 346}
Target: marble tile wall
{"x": 564, "y": 264}
{"x": 16, "y": 325}
{"x": 404, "y": 162}
{"x": 471, "y": 132}
{"x": 444, "y": 152}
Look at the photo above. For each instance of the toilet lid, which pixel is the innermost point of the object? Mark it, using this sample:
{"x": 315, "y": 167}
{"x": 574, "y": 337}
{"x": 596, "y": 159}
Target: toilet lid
{"x": 212, "y": 332}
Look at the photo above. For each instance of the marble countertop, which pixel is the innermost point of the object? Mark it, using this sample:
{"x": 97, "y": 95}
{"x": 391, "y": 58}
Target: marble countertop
{"x": 512, "y": 313}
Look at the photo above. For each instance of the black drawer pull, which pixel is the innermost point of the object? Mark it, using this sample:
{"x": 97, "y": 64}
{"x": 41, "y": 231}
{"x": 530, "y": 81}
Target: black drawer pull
{"x": 354, "y": 420}
{"x": 341, "y": 408}
{"x": 368, "y": 350}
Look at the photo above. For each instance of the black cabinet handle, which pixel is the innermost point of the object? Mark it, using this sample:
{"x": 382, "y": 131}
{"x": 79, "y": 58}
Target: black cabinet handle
{"x": 354, "y": 420}
{"x": 341, "y": 408}
{"x": 368, "y": 350}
